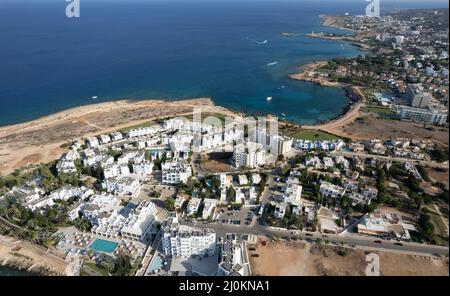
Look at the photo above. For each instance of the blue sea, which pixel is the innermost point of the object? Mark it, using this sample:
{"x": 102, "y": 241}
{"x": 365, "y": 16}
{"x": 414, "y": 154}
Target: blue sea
{"x": 8, "y": 271}
{"x": 141, "y": 49}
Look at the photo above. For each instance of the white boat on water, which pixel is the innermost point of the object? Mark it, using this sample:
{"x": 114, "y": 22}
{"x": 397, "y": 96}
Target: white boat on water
{"x": 282, "y": 114}
{"x": 272, "y": 64}
{"x": 94, "y": 97}
{"x": 269, "y": 99}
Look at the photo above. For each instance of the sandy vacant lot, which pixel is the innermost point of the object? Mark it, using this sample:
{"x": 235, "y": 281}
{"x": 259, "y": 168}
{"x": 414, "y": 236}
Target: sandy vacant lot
{"x": 304, "y": 259}
{"x": 372, "y": 128}
{"x": 40, "y": 140}
{"x": 216, "y": 162}
{"x": 439, "y": 176}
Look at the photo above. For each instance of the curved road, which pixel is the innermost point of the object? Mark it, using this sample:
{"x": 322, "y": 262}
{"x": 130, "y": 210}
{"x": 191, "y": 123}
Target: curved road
{"x": 357, "y": 241}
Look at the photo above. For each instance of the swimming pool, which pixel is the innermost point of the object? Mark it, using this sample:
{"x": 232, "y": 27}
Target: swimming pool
{"x": 102, "y": 245}
{"x": 156, "y": 264}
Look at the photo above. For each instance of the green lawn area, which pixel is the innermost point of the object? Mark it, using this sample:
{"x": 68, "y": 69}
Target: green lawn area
{"x": 379, "y": 110}
{"x": 312, "y": 135}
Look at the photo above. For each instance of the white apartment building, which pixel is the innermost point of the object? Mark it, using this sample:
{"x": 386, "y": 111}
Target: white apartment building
{"x": 193, "y": 206}
{"x": 115, "y": 169}
{"x": 431, "y": 114}
{"x": 63, "y": 193}
{"x": 328, "y": 163}
{"x": 313, "y": 161}
{"x": 183, "y": 241}
{"x": 175, "y": 173}
{"x": 250, "y": 155}
{"x": 209, "y": 205}
{"x": 281, "y": 145}
{"x": 234, "y": 261}
{"x": 417, "y": 97}
{"x": 132, "y": 156}
{"x": 92, "y": 142}
{"x": 370, "y": 192}
{"x": 144, "y": 168}
{"x": 122, "y": 185}
{"x": 280, "y": 210}
{"x": 117, "y": 136}
{"x": 139, "y": 223}
{"x": 293, "y": 192}
{"x": 105, "y": 139}
{"x": 225, "y": 180}
{"x": 144, "y": 131}
{"x": 331, "y": 190}
{"x": 66, "y": 166}
{"x": 134, "y": 223}
{"x": 92, "y": 158}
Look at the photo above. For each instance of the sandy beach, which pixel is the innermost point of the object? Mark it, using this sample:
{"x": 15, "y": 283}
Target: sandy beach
{"x": 43, "y": 139}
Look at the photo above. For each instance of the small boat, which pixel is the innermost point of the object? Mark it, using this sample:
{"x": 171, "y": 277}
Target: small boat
{"x": 94, "y": 97}
{"x": 262, "y": 42}
{"x": 269, "y": 99}
{"x": 282, "y": 114}
{"x": 272, "y": 64}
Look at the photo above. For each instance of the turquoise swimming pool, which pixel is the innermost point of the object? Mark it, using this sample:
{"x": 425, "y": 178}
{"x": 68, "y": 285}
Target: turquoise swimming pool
{"x": 156, "y": 264}
{"x": 102, "y": 245}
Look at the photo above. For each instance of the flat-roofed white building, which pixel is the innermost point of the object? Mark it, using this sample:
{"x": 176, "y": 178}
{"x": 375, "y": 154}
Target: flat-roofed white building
{"x": 281, "y": 145}
{"x": 122, "y": 185}
{"x": 372, "y": 226}
{"x": 330, "y": 190}
{"x": 117, "y": 136}
{"x": 293, "y": 193}
{"x": 139, "y": 223}
{"x": 183, "y": 241}
{"x": 209, "y": 205}
{"x": 250, "y": 155}
{"x": 175, "y": 172}
{"x": 144, "y": 168}
{"x": 129, "y": 222}
{"x": 92, "y": 142}
{"x": 193, "y": 206}
{"x": 431, "y": 114}
{"x": 143, "y": 131}
{"x": 280, "y": 210}
{"x": 115, "y": 169}
{"x": 105, "y": 139}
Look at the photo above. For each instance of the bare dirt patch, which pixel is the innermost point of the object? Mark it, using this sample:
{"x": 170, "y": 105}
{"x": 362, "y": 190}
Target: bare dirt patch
{"x": 373, "y": 128}
{"x": 439, "y": 175}
{"x": 217, "y": 162}
{"x": 301, "y": 258}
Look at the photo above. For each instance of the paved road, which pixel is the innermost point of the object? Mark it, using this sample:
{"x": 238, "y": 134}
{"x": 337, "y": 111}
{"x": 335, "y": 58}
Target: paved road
{"x": 428, "y": 163}
{"x": 349, "y": 239}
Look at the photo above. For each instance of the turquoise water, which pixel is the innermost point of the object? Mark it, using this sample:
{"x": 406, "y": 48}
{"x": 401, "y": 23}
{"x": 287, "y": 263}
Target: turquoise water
{"x": 103, "y": 246}
{"x": 168, "y": 49}
{"x": 156, "y": 264}
{"x": 7, "y": 271}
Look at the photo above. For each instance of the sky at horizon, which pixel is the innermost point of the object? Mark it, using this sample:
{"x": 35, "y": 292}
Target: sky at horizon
{"x": 184, "y": 1}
